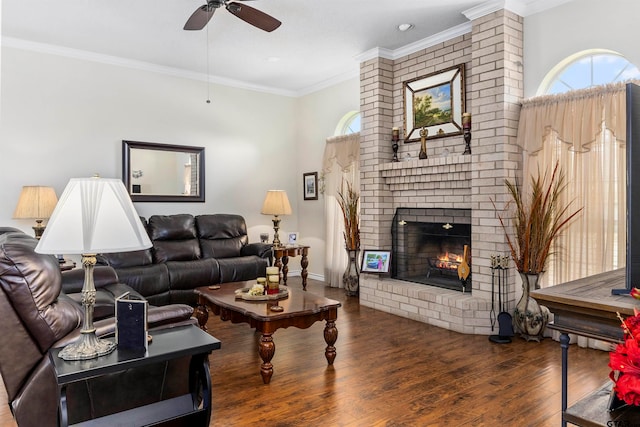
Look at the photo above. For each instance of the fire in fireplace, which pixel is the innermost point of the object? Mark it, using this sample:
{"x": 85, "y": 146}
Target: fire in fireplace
{"x": 429, "y": 246}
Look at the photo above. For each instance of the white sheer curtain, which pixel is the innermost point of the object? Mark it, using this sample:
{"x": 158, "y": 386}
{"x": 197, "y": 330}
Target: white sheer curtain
{"x": 584, "y": 131}
{"x": 341, "y": 161}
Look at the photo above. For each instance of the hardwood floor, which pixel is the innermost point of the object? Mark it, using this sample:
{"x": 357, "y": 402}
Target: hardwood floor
{"x": 390, "y": 371}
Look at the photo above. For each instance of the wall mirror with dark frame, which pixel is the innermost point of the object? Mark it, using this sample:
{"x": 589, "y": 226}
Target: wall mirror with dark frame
{"x": 163, "y": 172}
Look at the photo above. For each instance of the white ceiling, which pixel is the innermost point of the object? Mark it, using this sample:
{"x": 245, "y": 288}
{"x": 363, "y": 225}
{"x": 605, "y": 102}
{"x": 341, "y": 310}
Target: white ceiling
{"x": 316, "y": 44}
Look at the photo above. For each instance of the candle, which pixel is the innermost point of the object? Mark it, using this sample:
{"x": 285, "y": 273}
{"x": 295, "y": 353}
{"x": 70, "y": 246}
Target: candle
{"x": 272, "y": 284}
{"x": 395, "y": 133}
{"x": 466, "y": 121}
{"x": 272, "y": 271}
{"x": 274, "y": 278}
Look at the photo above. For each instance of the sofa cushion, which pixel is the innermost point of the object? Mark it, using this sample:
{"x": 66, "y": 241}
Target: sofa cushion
{"x": 147, "y": 280}
{"x": 241, "y": 268}
{"x": 127, "y": 259}
{"x": 192, "y": 274}
{"x": 172, "y": 227}
{"x": 221, "y": 235}
{"x": 32, "y": 282}
{"x": 174, "y": 238}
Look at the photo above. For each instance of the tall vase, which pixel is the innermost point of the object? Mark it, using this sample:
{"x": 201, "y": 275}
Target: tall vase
{"x": 351, "y": 276}
{"x": 529, "y": 317}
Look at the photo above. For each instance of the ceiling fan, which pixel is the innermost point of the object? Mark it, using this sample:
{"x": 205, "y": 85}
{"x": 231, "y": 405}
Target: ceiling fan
{"x": 199, "y": 19}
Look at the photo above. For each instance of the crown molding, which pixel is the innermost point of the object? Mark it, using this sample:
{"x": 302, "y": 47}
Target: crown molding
{"x": 520, "y": 7}
{"x": 433, "y": 40}
{"x": 352, "y": 73}
{"x": 137, "y": 65}
{"x": 376, "y": 52}
{"x": 425, "y": 43}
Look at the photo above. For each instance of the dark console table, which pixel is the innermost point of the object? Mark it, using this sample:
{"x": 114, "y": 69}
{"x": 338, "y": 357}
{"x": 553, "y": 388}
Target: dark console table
{"x": 586, "y": 307}
{"x": 168, "y": 344}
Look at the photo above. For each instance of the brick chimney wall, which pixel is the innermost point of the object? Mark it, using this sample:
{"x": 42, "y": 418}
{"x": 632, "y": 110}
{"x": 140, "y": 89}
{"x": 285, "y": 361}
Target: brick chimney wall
{"x": 492, "y": 54}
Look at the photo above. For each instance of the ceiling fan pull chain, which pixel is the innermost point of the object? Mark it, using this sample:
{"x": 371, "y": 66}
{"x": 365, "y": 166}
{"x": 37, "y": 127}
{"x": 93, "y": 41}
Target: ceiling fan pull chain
{"x": 208, "y": 74}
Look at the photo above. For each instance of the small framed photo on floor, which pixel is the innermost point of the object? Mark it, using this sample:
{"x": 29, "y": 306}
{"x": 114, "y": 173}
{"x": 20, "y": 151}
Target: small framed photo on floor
{"x": 375, "y": 261}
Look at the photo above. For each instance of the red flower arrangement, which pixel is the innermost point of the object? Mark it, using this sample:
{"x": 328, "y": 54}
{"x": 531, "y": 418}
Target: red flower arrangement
{"x": 625, "y": 359}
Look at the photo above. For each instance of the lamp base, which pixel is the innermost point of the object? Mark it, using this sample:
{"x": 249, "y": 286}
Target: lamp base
{"x": 38, "y": 229}
{"x": 88, "y": 346}
{"x": 276, "y": 227}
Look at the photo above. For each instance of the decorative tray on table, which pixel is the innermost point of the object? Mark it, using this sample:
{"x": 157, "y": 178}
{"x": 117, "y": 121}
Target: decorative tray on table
{"x": 243, "y": 293}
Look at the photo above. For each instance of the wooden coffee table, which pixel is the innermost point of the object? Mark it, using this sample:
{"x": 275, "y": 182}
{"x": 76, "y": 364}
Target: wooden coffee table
{"x": 300, "y": 309}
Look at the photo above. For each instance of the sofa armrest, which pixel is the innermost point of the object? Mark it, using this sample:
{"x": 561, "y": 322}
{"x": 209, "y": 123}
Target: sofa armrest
{"x": 263, "y": 250}
{"x": 167, "y": 316}
{"x": 73, "y": 280}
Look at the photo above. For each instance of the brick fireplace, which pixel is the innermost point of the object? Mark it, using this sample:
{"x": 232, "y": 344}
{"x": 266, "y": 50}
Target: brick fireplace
{"x": 491, "y": 49}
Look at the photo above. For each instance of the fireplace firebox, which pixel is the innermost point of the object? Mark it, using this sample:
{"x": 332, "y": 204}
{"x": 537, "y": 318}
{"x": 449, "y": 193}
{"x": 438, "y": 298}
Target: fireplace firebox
{"x": 429, "y": 245}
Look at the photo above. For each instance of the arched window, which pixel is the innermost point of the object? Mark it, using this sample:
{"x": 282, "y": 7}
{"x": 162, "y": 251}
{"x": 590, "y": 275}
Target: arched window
{"x": 340, "y": 165}
{"x": 588, "y": 68}
{"x": 591, "y": 153}
{"x": 349, "y": 123}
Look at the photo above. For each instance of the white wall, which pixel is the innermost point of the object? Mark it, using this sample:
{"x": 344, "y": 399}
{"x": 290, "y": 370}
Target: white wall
{"x": 553, "y": 35}
{"x": 65, "y": 118}
{"x": 318, "y": 115}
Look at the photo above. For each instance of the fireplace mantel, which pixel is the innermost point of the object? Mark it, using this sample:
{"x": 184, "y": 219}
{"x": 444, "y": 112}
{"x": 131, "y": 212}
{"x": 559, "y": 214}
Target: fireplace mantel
{"x": 436, "y": 182}
{"x": 455, "y": 159}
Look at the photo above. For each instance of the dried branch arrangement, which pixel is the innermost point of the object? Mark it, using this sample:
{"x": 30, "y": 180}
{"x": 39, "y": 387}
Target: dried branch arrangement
{"x": 536, "y": 220}
{"x": 348, "y": 201}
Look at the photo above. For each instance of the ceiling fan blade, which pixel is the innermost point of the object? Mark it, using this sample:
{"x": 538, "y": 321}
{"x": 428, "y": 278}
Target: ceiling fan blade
{"x": 254, "y": 16}
{"x": 199, "y": 18}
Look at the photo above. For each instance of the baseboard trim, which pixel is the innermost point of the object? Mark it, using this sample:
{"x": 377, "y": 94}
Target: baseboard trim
{"x": 313, "y": 276}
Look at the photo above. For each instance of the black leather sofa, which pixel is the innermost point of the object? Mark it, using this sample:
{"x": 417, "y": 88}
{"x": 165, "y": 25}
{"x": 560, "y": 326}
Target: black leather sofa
{"x": 190, "y": 251}
{"x": 38, "y": 315}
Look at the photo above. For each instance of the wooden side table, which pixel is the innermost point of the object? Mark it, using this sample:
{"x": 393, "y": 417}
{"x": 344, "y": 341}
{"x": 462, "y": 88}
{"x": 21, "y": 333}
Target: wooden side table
{"x": 281, "y": 255}
{"x": 586, "y": 307}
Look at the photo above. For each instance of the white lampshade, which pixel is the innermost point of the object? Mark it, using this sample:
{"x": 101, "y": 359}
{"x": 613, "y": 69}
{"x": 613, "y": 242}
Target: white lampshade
{"x": 94, "y": 215}
{"x": 276, "y": 202}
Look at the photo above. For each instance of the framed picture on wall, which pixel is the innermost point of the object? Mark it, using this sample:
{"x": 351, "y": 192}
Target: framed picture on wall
{"x": 375, "y": 261}
{"x": 310, "y": 185}
{"x": 434, "y": 102}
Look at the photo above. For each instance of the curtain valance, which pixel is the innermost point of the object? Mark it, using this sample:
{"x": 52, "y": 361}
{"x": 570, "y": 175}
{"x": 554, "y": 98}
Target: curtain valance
{"x": 343, "y": 150}
{"x": 576, "y": 117}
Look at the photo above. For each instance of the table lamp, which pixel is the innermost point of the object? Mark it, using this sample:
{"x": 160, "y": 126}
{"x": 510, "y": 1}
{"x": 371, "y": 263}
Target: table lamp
{"x": 276, "y": 203}
{"x": 36, "y": 202}
{"x": 94, "y": 215}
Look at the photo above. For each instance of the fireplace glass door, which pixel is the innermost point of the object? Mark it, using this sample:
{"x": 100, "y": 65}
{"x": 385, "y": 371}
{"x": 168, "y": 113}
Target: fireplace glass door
{"x": 429, "y": 245}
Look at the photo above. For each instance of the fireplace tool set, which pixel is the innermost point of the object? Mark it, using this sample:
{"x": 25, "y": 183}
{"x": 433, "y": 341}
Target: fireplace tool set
{"x": 499, "y": 287}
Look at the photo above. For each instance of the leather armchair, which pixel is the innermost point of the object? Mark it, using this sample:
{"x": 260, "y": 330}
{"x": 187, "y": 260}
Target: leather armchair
{"x": 37, "y": 316}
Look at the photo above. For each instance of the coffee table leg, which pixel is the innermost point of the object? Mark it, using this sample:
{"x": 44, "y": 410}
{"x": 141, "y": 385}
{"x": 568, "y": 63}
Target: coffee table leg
{"x": 266, "y": 349}
{"x": 304, "y": 263}
{"x": 330, "y": 337}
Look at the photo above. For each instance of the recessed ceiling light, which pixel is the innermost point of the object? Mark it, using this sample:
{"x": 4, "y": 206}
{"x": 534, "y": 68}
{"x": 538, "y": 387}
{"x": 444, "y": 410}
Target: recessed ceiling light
{"x": 405, "y": 27}
{"x": 273, "y": 59}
